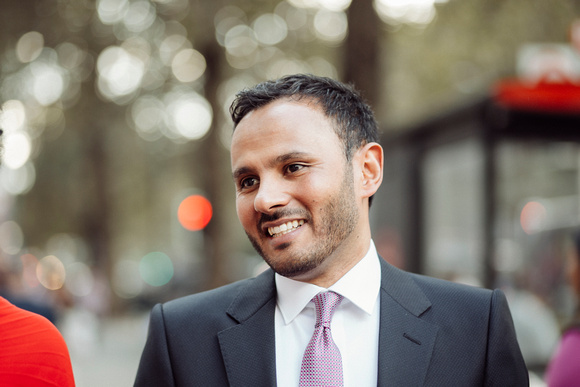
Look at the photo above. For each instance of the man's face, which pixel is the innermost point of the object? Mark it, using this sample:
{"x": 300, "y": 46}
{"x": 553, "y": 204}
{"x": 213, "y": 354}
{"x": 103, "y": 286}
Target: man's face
{"x": 295, "y": 194}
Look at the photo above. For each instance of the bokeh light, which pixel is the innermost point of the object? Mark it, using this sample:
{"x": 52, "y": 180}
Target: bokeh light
{"x": 334, "y": 5}
{"x": 189, "y": 115}
{"x": 140, "y": 16}
{"x": 304, "y": 3}
{"x": 188, "y": 65}
{"x": 147, "y": 116}
{"x": 156, "y": 269}
{"x": 240, "y": 42}
{"x": 120, "y": 73}
{"x": 29, "y": 46}
{"x": 413, "y": 12}
{"x": 175, "y": 8}
{"x": 126, "y": 281}
{"x": 227, "y": 18}
{"x": 12, "y": 115}
{"x": 48, "y": 83}
{"x": 194, "y": 212}
{"x": 533, "y": 217}
{"x": 331, "y": 26}
{"x": 17, "y": 173}
{"x": 171, "y": 45}
{"x": 270, "y": 29}
{"x": 50, "y": 272}
{"x": 17, "y": 149}
{"x": 112, "y": 11}
{"x": 79, "y": 280}
{"x": 18, "y": 181}
{"x": 11, "y": 237}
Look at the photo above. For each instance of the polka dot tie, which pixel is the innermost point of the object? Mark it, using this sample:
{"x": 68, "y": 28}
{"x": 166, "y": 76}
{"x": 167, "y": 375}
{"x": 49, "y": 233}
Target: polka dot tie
{"x": 322, "y": 364}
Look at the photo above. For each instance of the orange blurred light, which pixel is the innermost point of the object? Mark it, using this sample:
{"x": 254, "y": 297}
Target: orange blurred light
{"x": 194, "y": 212}
{"x": 533, "y": 217}
{"x": 50, "y": 272}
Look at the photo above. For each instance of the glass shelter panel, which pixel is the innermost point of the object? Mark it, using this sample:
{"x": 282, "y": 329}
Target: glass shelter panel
{"x": 453, "y": 211}
{"x": 537, "y": 212}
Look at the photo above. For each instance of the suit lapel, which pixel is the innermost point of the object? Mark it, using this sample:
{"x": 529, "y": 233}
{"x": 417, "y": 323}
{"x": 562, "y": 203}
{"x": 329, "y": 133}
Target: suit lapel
{"x": 405, "y": 340}
{"x": 248, "y": 349}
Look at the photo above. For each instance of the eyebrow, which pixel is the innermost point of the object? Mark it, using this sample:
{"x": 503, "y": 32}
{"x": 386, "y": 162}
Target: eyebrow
{"x": 240, "y": 171}
{"x": 278, "y": 160}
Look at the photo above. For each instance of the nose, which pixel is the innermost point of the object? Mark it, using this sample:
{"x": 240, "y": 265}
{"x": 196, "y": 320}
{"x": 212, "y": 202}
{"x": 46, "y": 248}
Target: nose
{"x": 271, "y": 195}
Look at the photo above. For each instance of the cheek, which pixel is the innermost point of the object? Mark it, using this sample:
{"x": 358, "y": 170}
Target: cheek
{"x": 244, "y": 209}
{"x": 316, "y": 192}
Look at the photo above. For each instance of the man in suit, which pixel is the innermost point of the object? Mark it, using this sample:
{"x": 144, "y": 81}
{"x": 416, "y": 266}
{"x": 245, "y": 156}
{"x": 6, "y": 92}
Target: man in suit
{"x": 306, "y": 162}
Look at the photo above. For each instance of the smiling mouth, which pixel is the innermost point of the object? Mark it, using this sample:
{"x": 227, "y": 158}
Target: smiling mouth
{"x": 285, "y": 228}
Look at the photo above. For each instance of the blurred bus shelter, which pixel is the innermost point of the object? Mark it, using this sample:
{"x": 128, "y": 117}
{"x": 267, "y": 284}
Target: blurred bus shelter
{"x": 488, "y": 194}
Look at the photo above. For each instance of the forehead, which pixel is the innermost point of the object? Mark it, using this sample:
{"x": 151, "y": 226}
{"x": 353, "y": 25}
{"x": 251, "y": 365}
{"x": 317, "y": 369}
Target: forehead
{"x": 284, "y": 126}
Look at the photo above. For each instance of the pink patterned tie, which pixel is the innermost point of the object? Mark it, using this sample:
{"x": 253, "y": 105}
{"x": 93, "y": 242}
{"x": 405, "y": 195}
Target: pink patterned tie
{"x": 322, "y": 364}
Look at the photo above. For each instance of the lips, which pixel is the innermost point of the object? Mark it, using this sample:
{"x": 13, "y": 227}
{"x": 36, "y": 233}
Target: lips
{"x": 285, "y": 228}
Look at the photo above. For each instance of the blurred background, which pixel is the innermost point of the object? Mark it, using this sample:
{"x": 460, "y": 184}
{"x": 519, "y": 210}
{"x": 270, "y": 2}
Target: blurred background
{"x": 115, "y": 187}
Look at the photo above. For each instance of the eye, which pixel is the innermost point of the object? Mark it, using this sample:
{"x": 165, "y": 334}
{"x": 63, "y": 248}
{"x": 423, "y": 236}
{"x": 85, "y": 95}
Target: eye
{"x": 248, "y": 182}
{"x": 292, "y": 168}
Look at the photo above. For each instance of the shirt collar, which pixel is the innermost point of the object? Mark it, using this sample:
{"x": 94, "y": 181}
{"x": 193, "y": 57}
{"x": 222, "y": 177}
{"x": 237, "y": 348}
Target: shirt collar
{"x": 360, "y": 286}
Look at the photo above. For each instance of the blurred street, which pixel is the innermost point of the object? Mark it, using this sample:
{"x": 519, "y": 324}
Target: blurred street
{"x": 104, "y": 353}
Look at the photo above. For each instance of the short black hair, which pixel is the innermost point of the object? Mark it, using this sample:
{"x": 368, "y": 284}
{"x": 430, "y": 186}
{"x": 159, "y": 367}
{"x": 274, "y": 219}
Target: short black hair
{"x": 355, "y": 123}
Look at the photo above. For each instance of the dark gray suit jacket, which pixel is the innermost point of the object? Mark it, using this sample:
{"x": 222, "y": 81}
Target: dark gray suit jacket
{"x": 432, "y": 333}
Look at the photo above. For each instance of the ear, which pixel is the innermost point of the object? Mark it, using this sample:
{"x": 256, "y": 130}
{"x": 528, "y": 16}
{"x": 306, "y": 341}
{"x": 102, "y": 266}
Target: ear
{"x": 370, "y": 164}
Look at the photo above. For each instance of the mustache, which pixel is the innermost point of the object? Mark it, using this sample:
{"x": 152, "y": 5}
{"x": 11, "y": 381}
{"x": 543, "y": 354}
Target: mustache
{"x": 283, "y": 213}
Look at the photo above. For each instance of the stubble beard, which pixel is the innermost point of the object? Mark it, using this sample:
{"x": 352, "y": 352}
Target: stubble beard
{"x": 337, "y": 221}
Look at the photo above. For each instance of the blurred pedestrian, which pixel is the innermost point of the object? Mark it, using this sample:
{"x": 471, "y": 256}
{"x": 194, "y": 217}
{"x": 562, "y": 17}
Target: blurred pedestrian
{"x": 564, "y": 367}
{"x": 329, "y": 312}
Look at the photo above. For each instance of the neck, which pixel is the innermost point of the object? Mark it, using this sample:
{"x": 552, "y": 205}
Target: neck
{"x": 338, "y": 264}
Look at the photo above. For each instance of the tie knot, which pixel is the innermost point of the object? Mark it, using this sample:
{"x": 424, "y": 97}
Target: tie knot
{"x": 326, "y": 304}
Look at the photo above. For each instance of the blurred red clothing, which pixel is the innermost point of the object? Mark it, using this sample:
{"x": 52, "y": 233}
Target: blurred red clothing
{"x": 32, "y": 351}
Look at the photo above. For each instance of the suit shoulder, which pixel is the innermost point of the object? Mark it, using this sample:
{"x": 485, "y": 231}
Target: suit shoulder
{"x": 440, "y": 289}
{"x": 238, "y": 299}
{"x": 214, "y": 299}
{"x": 461, "y": 309}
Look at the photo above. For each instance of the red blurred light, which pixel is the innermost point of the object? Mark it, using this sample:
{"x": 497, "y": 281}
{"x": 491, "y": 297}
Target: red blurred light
{"x": 194, "y": 212}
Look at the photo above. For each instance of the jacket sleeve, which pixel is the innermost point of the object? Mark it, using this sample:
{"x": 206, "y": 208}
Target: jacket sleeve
{"x": 155, "y": 365}
{"x": 505, "y": 365}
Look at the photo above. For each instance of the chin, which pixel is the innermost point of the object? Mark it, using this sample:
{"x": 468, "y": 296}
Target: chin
{"x": 292, "y": 268}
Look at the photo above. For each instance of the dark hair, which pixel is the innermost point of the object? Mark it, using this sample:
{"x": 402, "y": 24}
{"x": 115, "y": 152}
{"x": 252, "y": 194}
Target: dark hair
{"x": 355, "y": 123}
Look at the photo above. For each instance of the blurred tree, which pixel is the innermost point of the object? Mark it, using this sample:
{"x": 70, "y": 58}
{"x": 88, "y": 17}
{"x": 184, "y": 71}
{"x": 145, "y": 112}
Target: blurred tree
{"x": 362, "y": 50}
{"x": 213, "y": 155}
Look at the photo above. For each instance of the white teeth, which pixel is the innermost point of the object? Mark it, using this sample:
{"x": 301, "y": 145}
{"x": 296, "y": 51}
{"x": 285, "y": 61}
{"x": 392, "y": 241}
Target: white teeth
{"x": 285, "y": 228}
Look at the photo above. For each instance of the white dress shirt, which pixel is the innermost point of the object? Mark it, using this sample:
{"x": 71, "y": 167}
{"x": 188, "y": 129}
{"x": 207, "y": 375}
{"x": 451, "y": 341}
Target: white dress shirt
{"x": 354, "y": 327}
